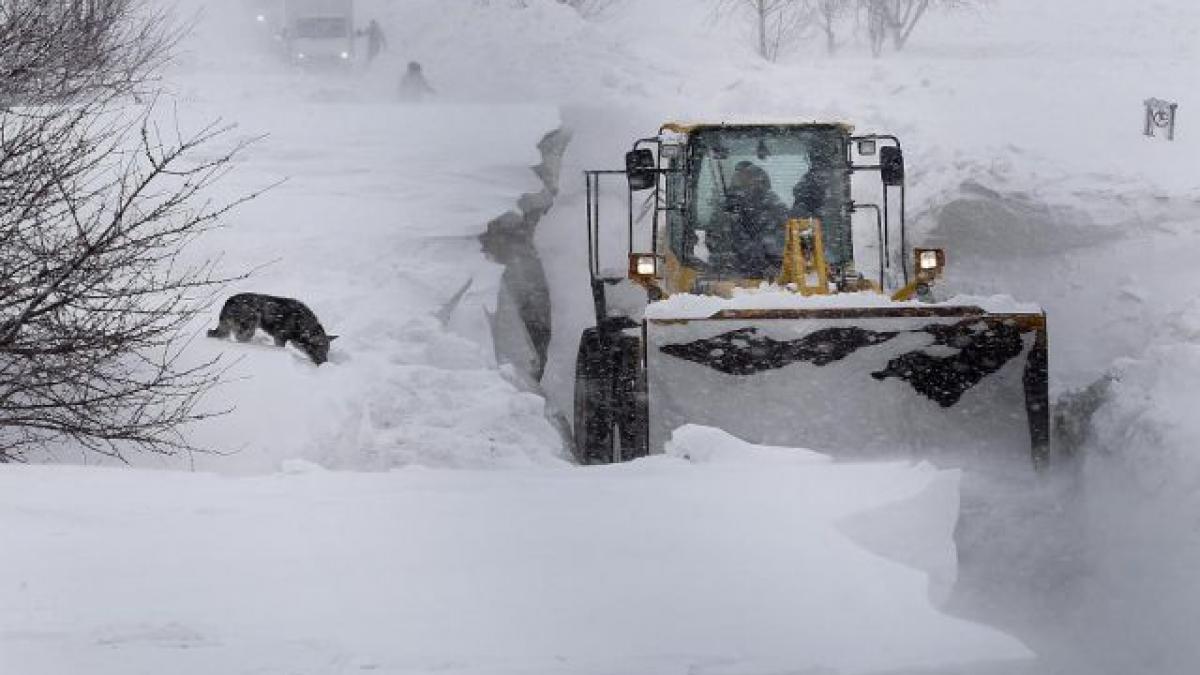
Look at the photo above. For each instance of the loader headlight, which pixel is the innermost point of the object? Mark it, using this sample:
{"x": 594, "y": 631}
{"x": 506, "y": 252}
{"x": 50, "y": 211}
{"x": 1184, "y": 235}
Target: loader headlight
{"x": 643, "y": 266}
{"x": 345, "y": 56}
{"x": 931, "y": 262}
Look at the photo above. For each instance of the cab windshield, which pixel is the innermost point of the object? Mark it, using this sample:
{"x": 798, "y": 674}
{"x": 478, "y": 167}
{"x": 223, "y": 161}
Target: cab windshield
{"x": 745, "y": 185}
{"x": 323, "y": 28}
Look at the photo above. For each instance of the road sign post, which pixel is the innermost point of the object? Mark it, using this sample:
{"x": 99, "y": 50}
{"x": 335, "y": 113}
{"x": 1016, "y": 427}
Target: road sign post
{"x": 1160, "y": 115}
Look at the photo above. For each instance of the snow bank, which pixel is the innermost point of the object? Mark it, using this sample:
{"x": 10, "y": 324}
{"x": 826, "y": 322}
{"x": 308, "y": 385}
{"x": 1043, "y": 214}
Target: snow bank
{"x": 1142, "y": 533}
{"x": 706, "y": 445}
{"x": 687, "y": 306}
{"x": 916, "y": 530}
{"x": 730, "y": 562}
{"x": 1148, "y": 424}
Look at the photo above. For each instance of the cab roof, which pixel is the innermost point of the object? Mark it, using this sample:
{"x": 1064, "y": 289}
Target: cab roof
{"x": 688, "y": 128}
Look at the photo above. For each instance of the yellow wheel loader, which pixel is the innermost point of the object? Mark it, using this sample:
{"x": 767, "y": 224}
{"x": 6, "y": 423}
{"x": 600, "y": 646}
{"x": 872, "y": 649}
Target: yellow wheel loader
{"x": 758, "y": 293}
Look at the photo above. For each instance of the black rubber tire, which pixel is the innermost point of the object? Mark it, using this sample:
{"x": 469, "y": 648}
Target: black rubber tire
{"x": 593, "y": 428}
{"x": 610, "y": 399}
{"x": 629, "y": 398}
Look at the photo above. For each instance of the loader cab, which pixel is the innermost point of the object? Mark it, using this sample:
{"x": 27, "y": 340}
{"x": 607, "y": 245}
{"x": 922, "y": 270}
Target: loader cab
{"x": 735, "y": 188}
{"x": 724, "y": 195}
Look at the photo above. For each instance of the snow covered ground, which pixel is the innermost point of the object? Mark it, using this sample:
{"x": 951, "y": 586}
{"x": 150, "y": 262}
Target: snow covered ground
{"x": 1022, "y": 129}
{"x": 376, "y": 229}
{"x": 720, "y": 559}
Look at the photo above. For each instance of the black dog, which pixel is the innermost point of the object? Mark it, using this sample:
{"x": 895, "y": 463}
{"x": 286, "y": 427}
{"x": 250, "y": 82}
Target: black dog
{"x": 284, "y": 319}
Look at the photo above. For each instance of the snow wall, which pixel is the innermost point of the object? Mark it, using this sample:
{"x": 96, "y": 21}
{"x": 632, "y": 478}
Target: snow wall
{"x": 521, "y": 324}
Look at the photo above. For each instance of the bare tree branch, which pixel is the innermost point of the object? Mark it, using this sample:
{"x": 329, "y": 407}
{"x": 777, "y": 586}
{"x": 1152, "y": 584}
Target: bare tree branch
{"x": 98, "y": 206}
{"x": 899, "y": 18}
{"x": 67, "y": 50}
{"x": 776, "y": 22}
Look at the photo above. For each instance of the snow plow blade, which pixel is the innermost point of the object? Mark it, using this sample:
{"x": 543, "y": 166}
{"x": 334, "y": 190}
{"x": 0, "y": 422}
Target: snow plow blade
{"x": 939, "y": 382}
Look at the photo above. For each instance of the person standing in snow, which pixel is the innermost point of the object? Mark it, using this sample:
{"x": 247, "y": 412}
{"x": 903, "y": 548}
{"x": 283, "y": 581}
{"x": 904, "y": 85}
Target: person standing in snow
{"x": 413, "y": 86}
{"x": 376, "y": 41}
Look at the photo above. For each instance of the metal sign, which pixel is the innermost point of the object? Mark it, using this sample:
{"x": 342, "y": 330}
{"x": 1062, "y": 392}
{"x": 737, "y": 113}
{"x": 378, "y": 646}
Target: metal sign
{"x": 1160, "y": 115}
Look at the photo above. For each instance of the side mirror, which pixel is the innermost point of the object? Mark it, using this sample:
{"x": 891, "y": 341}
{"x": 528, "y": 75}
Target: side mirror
{"x": 891, "y": 165}
{"x": 641, "y": 169}
{"x": 670, "y": 151}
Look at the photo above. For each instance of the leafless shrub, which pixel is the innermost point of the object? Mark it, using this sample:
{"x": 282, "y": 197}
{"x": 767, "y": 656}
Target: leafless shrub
{"x": 97, "y": 205}
{"x": 94, "y": 289}
{"x": 68, "y": 50}
{"x": 827, "y": 14}
{"x": 897, "y": 19}
{"x": 776, "y": 22}
{"x": 779, "y": 23}
{"x": 589, "y": 8}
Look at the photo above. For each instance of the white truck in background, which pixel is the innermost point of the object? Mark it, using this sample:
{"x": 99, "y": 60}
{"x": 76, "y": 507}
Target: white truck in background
{"x": 318, "y": 32}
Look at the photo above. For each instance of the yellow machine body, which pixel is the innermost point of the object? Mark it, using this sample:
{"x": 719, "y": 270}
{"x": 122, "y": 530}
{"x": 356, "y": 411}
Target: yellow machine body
{"x": 803, "y": 350}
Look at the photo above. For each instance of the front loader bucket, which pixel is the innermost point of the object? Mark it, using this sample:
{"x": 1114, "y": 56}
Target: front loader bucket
{"x": 937, "y": 382}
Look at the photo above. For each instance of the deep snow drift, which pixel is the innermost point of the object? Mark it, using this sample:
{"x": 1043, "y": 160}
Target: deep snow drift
{"x": 376, "y": 229}
{"x": 722, "y": 558}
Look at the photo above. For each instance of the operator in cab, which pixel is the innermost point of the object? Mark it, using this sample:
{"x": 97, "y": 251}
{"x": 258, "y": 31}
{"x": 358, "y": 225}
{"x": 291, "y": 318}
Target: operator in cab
{"x": 747, "y": 236}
